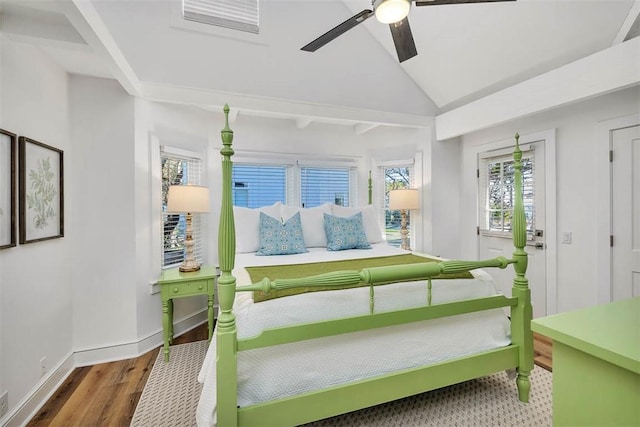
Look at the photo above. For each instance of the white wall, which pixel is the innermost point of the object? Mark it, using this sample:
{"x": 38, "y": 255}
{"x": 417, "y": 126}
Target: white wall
{"x": 576, "y": 142}
{"x": 35, "y": 279}
{"x": 445, "y": 201}
{"x": 104, "y": 203}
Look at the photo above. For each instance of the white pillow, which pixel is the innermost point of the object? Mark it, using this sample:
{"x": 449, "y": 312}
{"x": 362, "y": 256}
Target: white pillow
{"x": 312, "y": 223}
{"x": 247, "y": 222}
{"x": 369, "y": 219}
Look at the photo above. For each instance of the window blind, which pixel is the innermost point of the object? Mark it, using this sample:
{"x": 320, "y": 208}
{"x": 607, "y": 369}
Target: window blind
{"x": 179, "y": 168}
{"x": 257, "y": 185}
{"x": 322, "y": 185}
{"x": 235, "y": 14}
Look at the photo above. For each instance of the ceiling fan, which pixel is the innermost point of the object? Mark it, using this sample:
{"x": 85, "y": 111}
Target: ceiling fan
{"x": 392, "y": 12}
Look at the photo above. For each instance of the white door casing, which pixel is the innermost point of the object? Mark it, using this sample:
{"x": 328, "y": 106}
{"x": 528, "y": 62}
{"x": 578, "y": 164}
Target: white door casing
{"x": 625, "y": 213}
{"x": 542, "y": 268}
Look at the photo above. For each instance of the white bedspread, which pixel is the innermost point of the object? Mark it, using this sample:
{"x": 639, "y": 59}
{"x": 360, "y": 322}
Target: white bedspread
{"x": 324, "y": 362}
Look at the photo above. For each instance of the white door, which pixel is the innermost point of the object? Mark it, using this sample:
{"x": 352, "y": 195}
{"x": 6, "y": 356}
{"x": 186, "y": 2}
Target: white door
{"x": 494, "y": 222}
{"x": 625, "y": 194}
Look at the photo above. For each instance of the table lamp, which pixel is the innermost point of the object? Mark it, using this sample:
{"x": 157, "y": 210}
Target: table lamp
{"x": 403, "y": 200}
{"x": 188, "y": 199}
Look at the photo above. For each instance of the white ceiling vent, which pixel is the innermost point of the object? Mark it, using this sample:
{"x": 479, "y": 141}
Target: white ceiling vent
{"x": 235, "y": 14}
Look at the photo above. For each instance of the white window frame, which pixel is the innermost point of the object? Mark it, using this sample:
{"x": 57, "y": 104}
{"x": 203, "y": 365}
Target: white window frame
{"x": 294, "y": 163}
{"x": 347, "y": 163}
{"x": 381, "y": 190}
{"x": 196, "y": 178}
{"x": 484, "y": 159}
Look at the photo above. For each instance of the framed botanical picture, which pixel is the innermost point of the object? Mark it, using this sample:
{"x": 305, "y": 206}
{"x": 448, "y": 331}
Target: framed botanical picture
{"x": 7, "y": 189}
{"x": 41, "y": 191}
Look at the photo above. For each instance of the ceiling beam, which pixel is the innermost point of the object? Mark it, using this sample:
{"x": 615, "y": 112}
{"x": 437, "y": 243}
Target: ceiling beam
{"x": 233, "y": 115}
{"x": 86, "y": 20}
{"x": 361, "y": 128}
{"x": 606, "y": 71}
{"x": 280, "y": 108}
{"x": 303, "y": 122}
{"x": 630, "y": 24}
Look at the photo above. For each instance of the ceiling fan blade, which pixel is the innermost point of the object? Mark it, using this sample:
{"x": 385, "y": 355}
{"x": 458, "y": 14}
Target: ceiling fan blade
{"x": 403, "y": 39}
{"x": 338, "y": 31}
{"x": 439, "y": 2}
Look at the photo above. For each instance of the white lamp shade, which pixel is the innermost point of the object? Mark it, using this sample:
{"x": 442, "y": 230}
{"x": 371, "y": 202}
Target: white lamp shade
{"x": 188, "y": 198}
{"x": 404, "y": 199}
{"x": 390, "y": 11}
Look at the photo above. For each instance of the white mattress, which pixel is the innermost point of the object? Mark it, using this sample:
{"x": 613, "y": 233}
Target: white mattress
{"x": 320, "y": 363}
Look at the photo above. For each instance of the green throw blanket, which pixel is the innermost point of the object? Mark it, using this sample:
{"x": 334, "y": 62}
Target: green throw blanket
{"x": 291, "y": 271}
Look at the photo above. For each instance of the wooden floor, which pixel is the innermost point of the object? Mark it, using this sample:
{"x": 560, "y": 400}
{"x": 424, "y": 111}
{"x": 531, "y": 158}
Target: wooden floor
{"x": 104, "y": 394}
{"x": 542, "y": 347}
{"x": 107, "y": 394}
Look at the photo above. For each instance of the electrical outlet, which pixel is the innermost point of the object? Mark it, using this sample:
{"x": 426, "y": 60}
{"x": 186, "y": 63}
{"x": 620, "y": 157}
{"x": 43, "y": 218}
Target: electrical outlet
{"x": 43, "y": 365}
{"x": 4, "y": 404}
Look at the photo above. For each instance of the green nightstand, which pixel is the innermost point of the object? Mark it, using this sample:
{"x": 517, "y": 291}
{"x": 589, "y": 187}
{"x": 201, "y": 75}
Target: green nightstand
{"x": 175, "y": 284}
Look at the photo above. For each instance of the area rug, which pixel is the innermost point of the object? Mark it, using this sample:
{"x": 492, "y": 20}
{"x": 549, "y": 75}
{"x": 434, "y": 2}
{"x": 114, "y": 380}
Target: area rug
{"x": 170, "y": 397}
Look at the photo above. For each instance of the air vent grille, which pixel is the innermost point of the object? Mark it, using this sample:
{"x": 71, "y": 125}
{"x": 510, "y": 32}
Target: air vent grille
{"x": 235, "y": 14}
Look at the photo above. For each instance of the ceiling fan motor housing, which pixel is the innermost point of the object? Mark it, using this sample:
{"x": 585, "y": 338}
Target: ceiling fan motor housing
{"x": 391, "y": 11}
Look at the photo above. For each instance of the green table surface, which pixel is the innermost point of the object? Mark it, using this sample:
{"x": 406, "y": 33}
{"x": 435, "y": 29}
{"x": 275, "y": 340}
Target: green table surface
{"x": 610, "y": 332}
{"x": 174, "y": 274}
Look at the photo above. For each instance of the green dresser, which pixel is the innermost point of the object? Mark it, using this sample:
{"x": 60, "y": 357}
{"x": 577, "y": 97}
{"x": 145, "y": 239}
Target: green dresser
{"x": 596, "y": 364}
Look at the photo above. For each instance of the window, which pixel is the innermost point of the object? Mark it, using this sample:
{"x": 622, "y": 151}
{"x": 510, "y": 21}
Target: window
{"x": 322, "y": 185}
{"x": 178, "y": 168}
{"x": 395, "y": 176}
{"x": 497, "y": 192}
{"x": 256, "y": 185}
{"x": 235, "y": 14}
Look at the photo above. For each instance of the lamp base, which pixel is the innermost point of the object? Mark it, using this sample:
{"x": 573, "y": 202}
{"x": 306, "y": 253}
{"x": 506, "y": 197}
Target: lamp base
{"x": 189, "y": 265}
{"x": 403, "y": 231}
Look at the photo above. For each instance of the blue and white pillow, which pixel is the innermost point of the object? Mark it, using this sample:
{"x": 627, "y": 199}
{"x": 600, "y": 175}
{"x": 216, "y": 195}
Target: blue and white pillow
{"x": 277, "y": 238}
{"x": 345, "y": 233}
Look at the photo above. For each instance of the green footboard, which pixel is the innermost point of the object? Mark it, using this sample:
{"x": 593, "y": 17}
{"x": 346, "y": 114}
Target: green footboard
{"x": 345, "y": 398}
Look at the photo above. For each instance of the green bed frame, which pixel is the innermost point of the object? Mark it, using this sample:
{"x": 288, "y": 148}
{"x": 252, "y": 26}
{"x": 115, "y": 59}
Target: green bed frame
{"x": 349, "y": 397}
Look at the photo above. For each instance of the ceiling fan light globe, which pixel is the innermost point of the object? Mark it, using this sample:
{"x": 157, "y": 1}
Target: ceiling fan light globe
{"x": 390, "y": 11}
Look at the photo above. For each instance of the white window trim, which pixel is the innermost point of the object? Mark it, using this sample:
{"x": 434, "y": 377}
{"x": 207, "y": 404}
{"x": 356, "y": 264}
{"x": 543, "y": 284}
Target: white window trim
{"x": 501, "y": 155}
{"x": 197, "y": 221}
{"x": 295, "y": 161}
{"x": 417, "y": 236}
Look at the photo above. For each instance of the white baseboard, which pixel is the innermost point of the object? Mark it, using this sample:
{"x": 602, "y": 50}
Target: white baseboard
{"x": 36, "y": 398}
{"x": 29, "y": 406}
{"x": 122, "y": 351}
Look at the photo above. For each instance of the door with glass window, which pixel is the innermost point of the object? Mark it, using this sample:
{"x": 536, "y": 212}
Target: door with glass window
{"x": 496, "y": 198}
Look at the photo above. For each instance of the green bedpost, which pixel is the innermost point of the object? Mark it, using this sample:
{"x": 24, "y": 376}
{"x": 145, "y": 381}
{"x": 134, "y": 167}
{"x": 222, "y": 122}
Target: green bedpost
{"x": 370, "y": 185}
{"x": 521, "y": 314}
{"x": 226, "y": 366}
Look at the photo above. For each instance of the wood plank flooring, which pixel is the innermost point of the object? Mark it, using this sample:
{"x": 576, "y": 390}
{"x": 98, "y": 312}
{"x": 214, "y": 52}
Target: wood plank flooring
{"x": 107, "y": 394}
{"x": 542, "y": 348}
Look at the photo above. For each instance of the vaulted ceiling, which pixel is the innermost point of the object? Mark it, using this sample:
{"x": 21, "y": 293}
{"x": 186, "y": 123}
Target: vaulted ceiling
{"x": 466, "y": 53}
